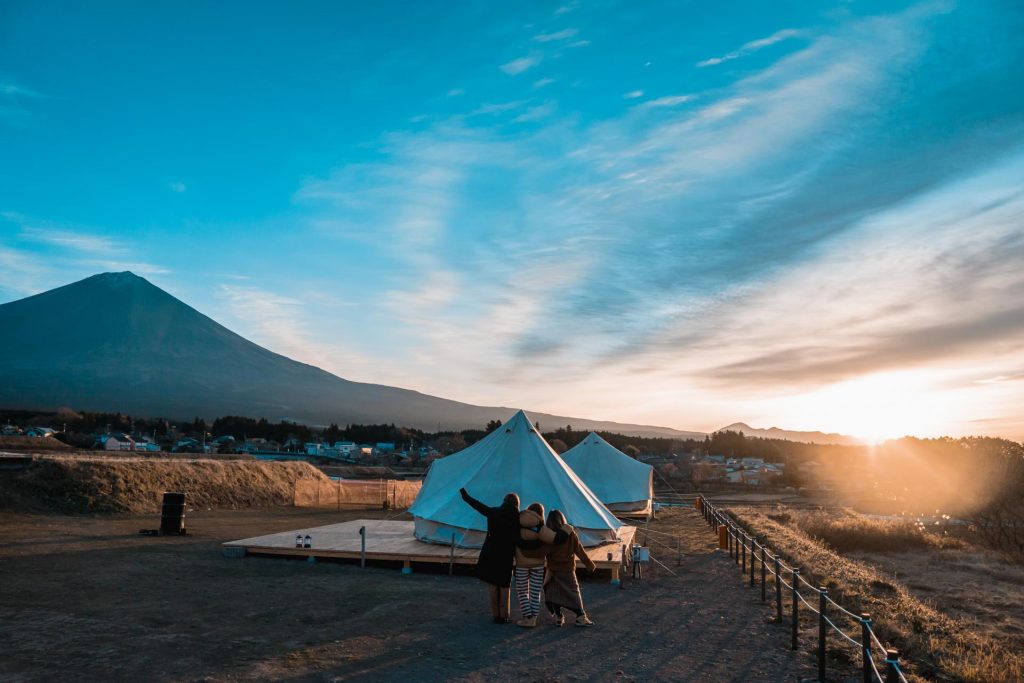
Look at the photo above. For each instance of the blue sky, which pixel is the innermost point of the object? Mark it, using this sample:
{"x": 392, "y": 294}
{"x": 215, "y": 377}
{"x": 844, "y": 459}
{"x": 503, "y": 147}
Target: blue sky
{"x": 803, "y": 214}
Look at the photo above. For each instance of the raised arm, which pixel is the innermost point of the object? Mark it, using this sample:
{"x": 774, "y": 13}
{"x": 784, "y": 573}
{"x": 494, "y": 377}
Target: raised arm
{"x": 584, "y": 558}
{"x": 484, "y": 510}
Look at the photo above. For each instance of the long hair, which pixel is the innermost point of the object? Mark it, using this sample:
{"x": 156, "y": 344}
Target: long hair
{"x": 511, "y": 499}
{"x": 556, "y": 520}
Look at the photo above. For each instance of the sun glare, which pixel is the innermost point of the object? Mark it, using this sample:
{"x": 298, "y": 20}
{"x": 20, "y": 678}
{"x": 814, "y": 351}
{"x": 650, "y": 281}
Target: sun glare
{"x": 876, "y": 407}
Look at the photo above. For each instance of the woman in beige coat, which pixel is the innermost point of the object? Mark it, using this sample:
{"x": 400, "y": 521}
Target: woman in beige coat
{"x": 561, "y": 589}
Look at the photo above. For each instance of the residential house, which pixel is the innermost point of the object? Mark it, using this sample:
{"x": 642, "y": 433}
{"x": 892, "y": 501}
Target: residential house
{"x": 187, "y": 445}
{"x": 117, "y": 442}
{"x": 344, "y": 447}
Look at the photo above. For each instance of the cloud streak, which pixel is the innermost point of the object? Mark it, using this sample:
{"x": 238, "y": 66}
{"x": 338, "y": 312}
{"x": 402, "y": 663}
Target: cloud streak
{"x": 564, "y": 34}
{"x": 751, "y": 47}
{"x": 518, "y": 66}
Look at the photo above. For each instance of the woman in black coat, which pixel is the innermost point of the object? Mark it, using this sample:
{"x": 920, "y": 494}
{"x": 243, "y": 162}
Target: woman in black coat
{"x": 494, "y": 566}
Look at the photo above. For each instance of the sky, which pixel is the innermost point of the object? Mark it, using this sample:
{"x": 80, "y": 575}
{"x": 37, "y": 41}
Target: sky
{"x": 805, "y": 215}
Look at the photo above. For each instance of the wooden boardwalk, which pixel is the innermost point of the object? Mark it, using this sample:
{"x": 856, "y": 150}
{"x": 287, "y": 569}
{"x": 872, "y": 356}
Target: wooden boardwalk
{"x": 393, "y": 540}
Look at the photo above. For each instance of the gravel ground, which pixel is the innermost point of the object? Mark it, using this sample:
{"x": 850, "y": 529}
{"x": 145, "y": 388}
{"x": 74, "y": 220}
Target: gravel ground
{"x": 89, "y": 599}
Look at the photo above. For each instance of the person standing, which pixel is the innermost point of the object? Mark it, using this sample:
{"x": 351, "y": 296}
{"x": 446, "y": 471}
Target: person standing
{"x": 494, "y": 565}
{"x": 561, "y": 589}
{"x": 531, "y": 550}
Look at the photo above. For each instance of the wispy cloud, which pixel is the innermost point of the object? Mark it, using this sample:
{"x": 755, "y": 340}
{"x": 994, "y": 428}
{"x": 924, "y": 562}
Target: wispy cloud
{"x": 536, "y": 113}
{"x": 543, "y": 82}
{"x": 669, "y": 101}
{"x": 567, "y": 8}
{"x": 44, "y": 254}
{"x": 633, "y": 94}
{"x": 78, "y": 241}
{"x": 13, "y": 109}
{"x": 752, "y": 46}
{"x": 497, "y": 107}
{"x": 518, "y": 66}
{"x": 564, "y": 34}
{"x": 8, "y": 89}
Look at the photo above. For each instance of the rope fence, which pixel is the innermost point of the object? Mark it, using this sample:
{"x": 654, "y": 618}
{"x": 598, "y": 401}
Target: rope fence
{"x": 743, "y": 550}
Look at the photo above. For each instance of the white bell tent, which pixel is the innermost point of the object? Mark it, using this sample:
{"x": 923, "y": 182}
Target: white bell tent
{"x": 622, "y": 483}
{"x": 514, "y": 458}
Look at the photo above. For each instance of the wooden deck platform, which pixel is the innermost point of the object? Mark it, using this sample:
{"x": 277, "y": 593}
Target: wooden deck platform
{"x": 644, "y": 514}
{"x": 393, "y": 540}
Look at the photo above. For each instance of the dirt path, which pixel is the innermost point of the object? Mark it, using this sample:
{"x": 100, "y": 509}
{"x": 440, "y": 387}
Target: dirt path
{"x": 89, "y": 599}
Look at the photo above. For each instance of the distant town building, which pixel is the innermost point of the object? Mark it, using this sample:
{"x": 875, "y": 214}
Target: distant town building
{"x": 116, "y": 442}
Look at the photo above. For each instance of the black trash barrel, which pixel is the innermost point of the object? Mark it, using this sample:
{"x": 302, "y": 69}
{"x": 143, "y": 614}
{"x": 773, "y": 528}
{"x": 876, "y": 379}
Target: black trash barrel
{"x": 172, "y": 515}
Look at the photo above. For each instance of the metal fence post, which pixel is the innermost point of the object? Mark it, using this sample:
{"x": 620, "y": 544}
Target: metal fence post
{"x": 778, "y": 589}
{"x": 362, "y": 546}
{"x": 892, "y": 666}
{"x": 865, "y": 647}
{"x": 796, "y": 606}
{"x": 822, "y": 633}
{"x": 764, "y": 572}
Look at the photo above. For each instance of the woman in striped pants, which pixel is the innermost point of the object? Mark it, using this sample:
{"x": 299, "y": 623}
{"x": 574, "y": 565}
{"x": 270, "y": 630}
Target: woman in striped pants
{"x": 531, "y": 551}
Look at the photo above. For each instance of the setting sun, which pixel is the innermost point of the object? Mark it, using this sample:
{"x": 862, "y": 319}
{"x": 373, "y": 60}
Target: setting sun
{"x": 876, "y": 407}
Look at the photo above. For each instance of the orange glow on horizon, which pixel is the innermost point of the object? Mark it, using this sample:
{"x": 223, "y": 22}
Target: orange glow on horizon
{"x": 875, "y": 407}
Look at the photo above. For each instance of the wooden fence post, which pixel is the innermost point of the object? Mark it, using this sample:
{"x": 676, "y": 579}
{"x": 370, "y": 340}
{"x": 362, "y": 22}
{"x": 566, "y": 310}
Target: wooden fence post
{"x": 822, "y": 632}
{"x": 753, "y": 557}
{"x": 764, "y": 571}
{"x": 892, "y": 666}
{"x": 362, "y": 547}
{"x": 778, "y": 589}
{"x": 865, "y": 647}
{"x": 796, "y": 607}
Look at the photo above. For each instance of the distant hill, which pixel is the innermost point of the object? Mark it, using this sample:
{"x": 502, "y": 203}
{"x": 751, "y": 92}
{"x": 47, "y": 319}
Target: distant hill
{"x": 115, "y": 342}
{"x": 789, "y": 435}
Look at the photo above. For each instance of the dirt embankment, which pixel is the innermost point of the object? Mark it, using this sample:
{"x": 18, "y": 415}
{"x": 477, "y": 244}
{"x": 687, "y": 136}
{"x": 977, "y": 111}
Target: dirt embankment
{"x": 77, "y": 485}
{"x": 31, "y": 443}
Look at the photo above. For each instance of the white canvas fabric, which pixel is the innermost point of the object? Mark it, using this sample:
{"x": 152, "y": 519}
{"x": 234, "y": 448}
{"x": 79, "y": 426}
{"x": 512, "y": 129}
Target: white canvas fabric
{"x": 622, "y": 483}
{"x": 514, "y": 458}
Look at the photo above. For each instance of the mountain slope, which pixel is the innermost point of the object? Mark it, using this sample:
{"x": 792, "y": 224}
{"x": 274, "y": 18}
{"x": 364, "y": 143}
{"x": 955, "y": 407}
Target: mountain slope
{"x": 116, "y": 342}
{"x": 789, "y": 435}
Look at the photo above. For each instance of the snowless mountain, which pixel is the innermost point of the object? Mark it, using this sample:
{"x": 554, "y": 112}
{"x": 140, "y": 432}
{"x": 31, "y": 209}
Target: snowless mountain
{"x": 115, "y": 342}
{"x": 789, "y": 435}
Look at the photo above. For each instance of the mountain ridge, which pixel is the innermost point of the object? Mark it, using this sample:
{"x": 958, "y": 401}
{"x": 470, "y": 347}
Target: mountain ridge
{"x": 793, "y": 435}
{"x": 117, "y": 342}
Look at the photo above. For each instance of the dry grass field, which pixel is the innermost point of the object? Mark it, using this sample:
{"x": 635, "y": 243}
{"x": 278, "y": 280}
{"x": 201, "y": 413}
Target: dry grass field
{"x": 953, "y": 610}
{"x": 76, "y": 484}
